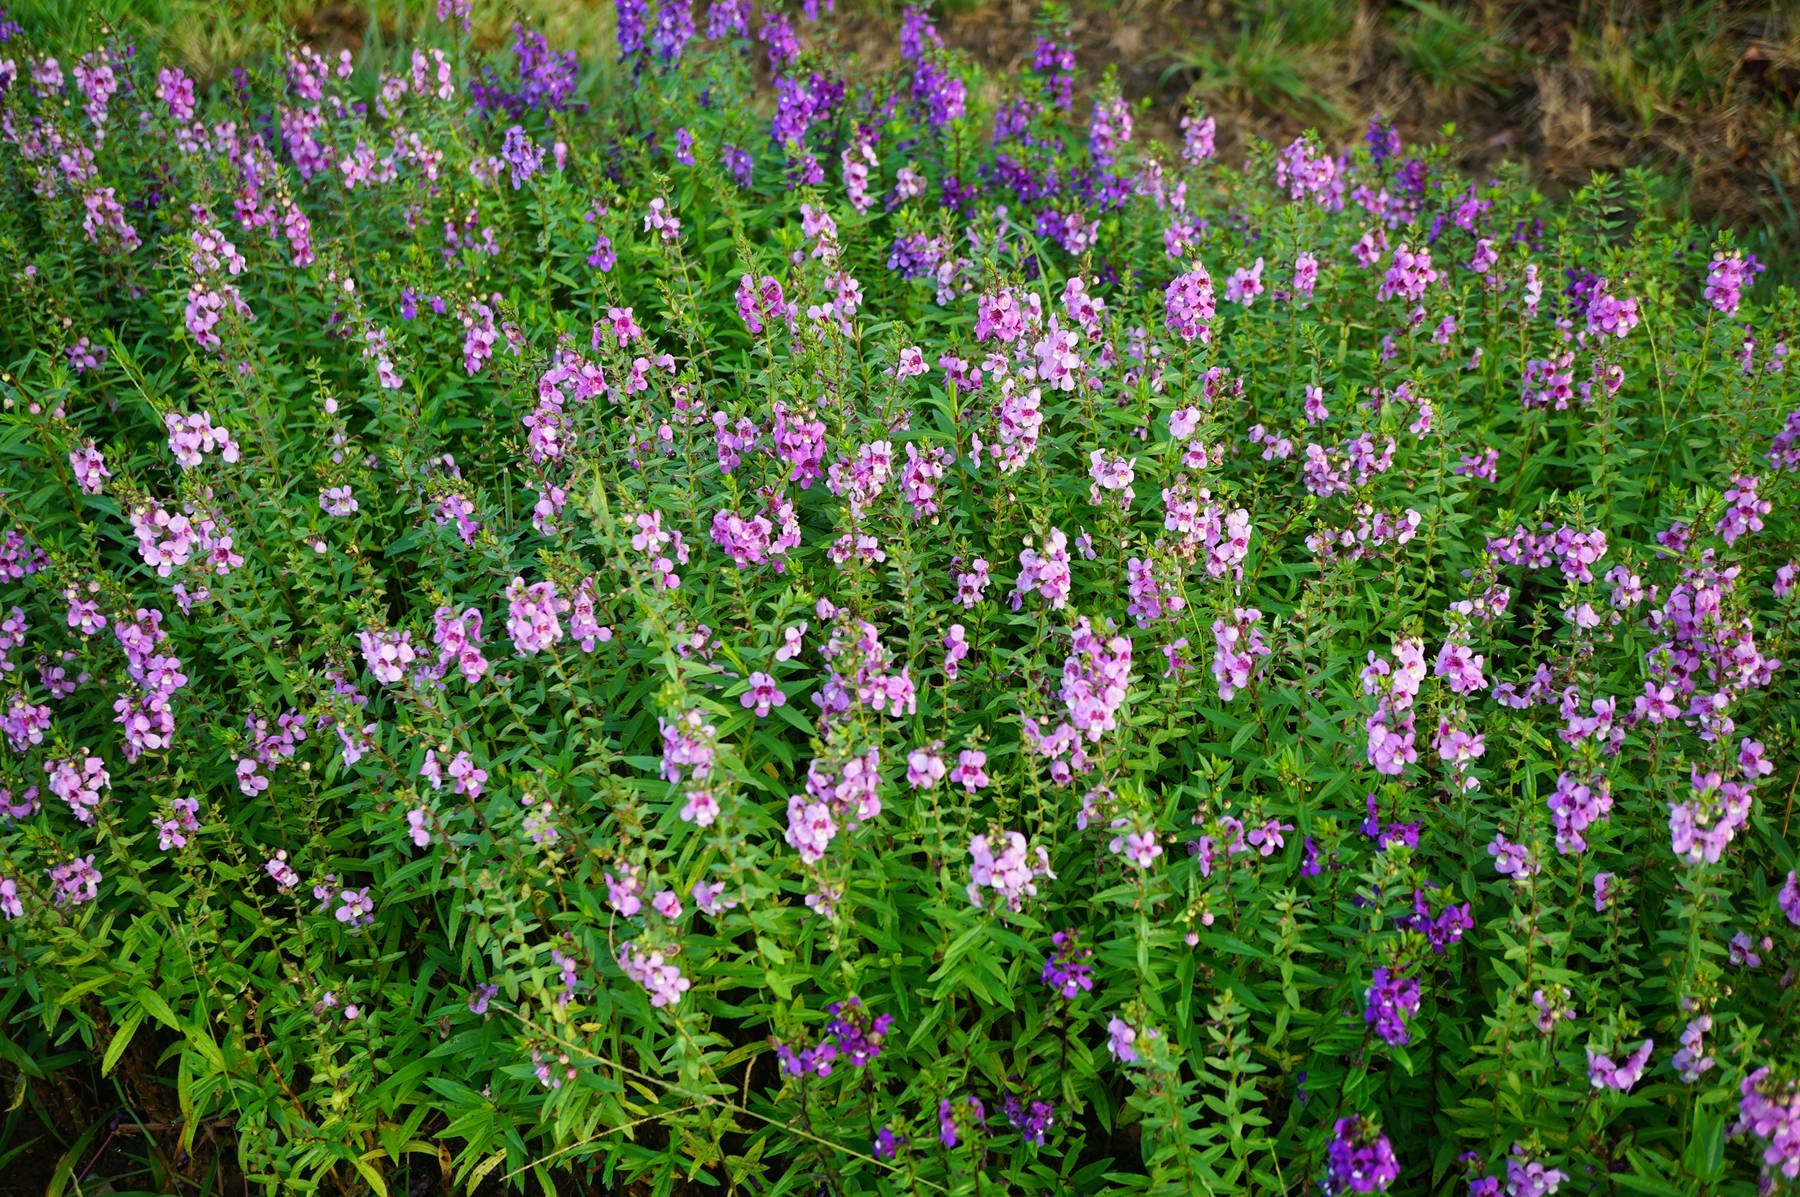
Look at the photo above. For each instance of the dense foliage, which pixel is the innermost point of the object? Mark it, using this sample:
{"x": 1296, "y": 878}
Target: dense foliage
{"x": 711, "y": 619}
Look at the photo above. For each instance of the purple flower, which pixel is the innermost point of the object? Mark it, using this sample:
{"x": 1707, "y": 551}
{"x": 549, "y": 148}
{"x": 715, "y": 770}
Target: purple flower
{"x": 90, "y": 468}
{"x": 568, "y": 969}
{"x": 1690, "y": 1060}
{"x": 1744, "y": 950}
{"x": 1388, "y": 1003}
{"x": 1032, "y": 1120}
{"x": 917, "y": 30}
{"x": 859, "y": 1037}
{"x": 356, "y": 909}
{"x": 1110, "y": 130}
{"x": 1136, "y": 843}
{"x": 75, "y": 881}
{"x": 1383, "y": 139}
{"x": 728, "y": 18}
{"x": 630, "y": 18}
{"x": 708, "y": 897}
{"x": 763, "y": 694}
{"x": 1120, "y": 1038}
{"x": 673, "y": 30}
{"x": 1511, "y": 859}
{"x": 1189, "y": 307}
{"x": 1359, "y": 1158}
{"x": 1769, "y": 1108}
{"x": 811, "y": 1061}
{"x": 1409, "y": 275}
{"x": 957, "y": 1117}
{"x": 924, "y": 767}
{"x": 659, "y": 976}
{"x": 1726, "y": 278}
{"x": 523, "y": 155}
{"x": 970, "y": 771}
{"x": 1604, "y": 1074}
{"x": 1526, "y": 1177}
{"x": 888, "y": 1144}
{"x": 1552, "y": 1006}
{"x": 1066, "y": 969}
{"x": 1197, "y": 138}
{"x": 1575, "y": 805}
{"x": 1606, "y": 891}
{"x": 939, "y": 95}
{"x": 1011, "y": 873}
{"x": 739, "y": 162}
{"x": 1790, "y": 897}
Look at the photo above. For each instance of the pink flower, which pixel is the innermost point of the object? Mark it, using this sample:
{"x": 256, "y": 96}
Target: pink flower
{"x": 701, "y": 808}
{"x": 1511, "y": 859}
{"x": 90, "y": 468}
{"x": 970, "y": 772}
{"x": 1315, "y": 409}
{"x": 248, "y": 781}
{"x": 1136, "y": 843}
{"x": 811, "y": 828}
{"x": 356, "y": 909}
{"x": 956, "y": 647}
{"x": 1047, "y": 572}
{"x": 1120, "y": 1037}
{"x": 763, "y": 694}
{"x": 1245, "y": 284}
{"x": 1460, "y": 668}
{"x": 1188, "y": 305}
{"x": 792, "y": 642}
{"x": 708, "y": 897}
{"x": 468, "y": 778}
{"x": 1604, "y": 1074}
{"x": 924, "y": 768}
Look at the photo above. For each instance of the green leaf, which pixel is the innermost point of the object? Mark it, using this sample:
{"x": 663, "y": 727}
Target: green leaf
{"x": 121, "y": 1040}
{"x": 157, "y": 1008}
{"x": 365, "y": 1164}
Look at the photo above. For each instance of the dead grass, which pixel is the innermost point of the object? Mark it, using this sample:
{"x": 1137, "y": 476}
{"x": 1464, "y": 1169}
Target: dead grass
{"x": 1707, "y": 93}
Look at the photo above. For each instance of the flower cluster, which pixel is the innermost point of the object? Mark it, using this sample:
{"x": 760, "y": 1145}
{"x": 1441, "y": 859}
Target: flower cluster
{"x": 543, "y": 571}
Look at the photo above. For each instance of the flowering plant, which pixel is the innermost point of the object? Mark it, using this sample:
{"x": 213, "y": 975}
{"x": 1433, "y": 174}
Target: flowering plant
{"x": 716, "y": 620}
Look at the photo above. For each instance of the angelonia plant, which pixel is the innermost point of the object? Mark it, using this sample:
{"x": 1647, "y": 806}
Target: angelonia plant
{"x": 718, "y": 620}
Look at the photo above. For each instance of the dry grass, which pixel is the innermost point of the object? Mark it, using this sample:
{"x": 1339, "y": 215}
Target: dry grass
{"x": 1708, "y": 93}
